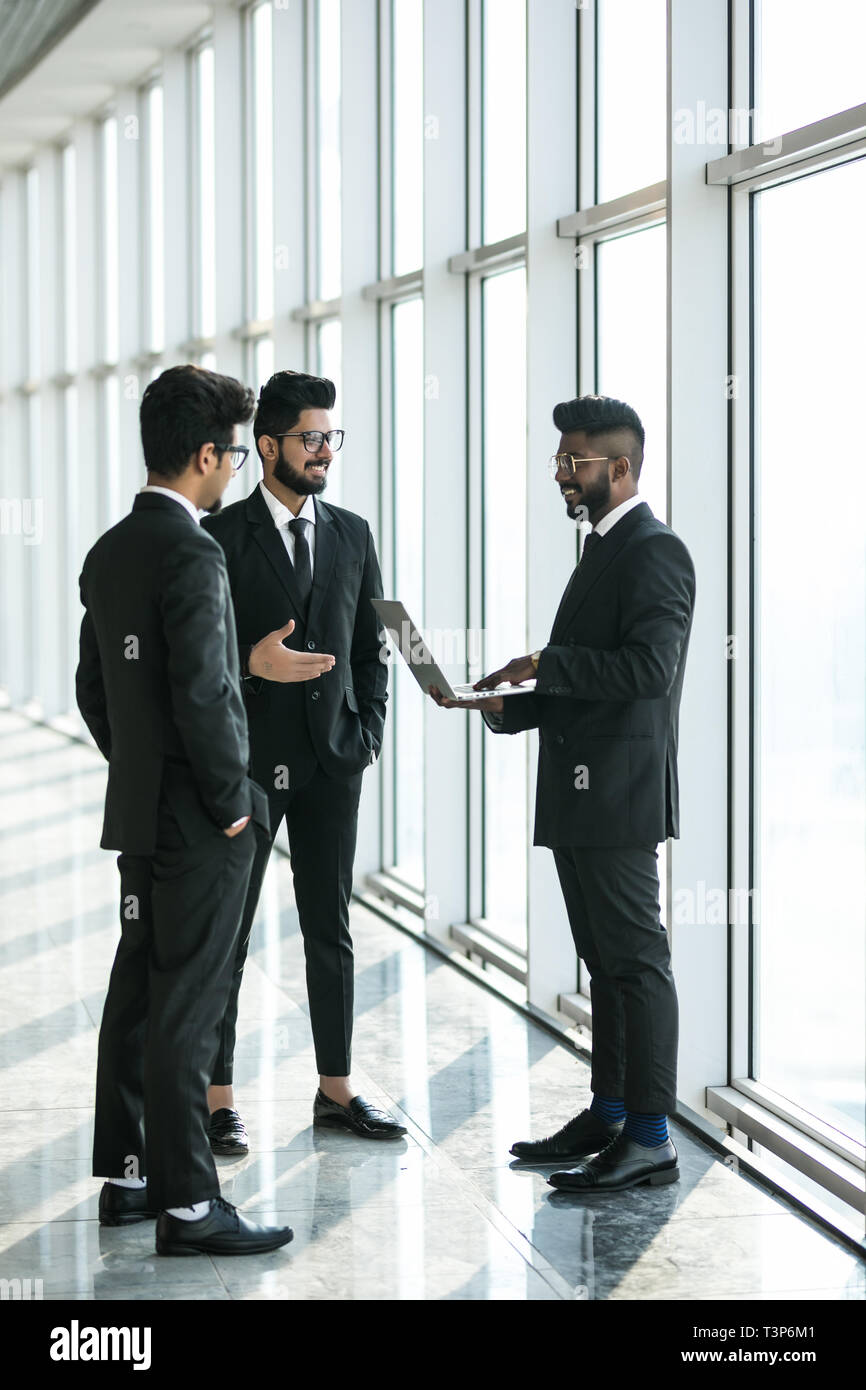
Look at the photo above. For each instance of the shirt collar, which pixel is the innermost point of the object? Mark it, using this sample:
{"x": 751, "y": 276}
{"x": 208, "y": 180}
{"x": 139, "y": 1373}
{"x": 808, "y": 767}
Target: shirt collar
{"x": 281, "y": 514}
{"x": 178, "y": 497}
{"x": 616, "y": 515}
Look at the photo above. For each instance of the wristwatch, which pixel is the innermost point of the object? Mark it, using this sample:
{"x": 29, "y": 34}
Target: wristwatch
{"x": 534, "y": 658}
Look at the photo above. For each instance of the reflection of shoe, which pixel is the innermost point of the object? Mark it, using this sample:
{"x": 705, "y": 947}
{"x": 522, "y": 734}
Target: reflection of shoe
{"x": 227, "y": 1133}
{"x": 585, "y": 1134}
{"x": 358, "y": 1117}
{"x": 123, "y": 1206}
{"x": 223, "y": 1231}
{"x": 622, "y": 1164}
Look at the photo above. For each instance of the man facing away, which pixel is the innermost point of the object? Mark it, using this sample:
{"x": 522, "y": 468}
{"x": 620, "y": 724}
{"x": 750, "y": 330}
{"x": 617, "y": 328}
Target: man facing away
{"x": 606, "y": 706}
{"x": 158, "y": 686}
{"x": 288, "y": 553}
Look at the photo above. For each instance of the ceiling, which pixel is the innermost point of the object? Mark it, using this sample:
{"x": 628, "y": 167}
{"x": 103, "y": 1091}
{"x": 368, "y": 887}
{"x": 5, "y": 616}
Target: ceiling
{"x": 63, "y": 59}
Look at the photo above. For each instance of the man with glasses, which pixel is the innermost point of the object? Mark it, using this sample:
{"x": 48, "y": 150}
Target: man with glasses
{"x": 606, "y": 705}
{"x": 302, "y": 574}
{"x": 158, "y": 686}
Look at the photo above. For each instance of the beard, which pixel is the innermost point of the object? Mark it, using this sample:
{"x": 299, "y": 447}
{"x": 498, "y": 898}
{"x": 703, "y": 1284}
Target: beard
{"x": 594, "y": 496}
{"x": 297, "y": 481}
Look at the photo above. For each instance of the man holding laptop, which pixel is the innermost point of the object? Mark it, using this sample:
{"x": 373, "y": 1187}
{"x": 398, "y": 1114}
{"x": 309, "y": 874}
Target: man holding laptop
{"x": 606, "y": 705}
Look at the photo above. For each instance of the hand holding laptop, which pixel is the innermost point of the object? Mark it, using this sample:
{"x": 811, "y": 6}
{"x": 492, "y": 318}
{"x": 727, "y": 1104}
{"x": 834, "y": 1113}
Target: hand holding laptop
{"x": 513, "y": 679}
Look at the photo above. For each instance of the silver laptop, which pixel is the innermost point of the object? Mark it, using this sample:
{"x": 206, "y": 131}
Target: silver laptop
{"x": 419, "y": 658}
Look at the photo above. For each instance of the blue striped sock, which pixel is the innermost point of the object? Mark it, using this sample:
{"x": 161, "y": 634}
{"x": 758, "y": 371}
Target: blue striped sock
{"x": 649, "y": 1130}
{"x": 608, "y": 1108}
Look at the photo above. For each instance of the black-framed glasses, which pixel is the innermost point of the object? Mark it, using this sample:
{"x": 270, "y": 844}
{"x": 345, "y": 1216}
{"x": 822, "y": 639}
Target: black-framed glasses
{"x": 238, "y": 452}
{"x": 314, "y": 439}
{"x": 568, "y": 463}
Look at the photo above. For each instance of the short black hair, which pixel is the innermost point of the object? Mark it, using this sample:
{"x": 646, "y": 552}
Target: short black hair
{"x": 185, "y": 407}
{"x": 283, "y": 399}
{"x": 597, "y": 415}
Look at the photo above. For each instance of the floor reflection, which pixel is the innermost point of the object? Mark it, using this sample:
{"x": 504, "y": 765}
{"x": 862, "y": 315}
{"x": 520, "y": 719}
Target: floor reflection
{"x": 444, "y": 1214}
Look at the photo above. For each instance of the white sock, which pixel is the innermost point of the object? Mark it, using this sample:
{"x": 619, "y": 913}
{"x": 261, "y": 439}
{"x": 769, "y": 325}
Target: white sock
{"x": 193, "y": 1213}
{"x": 128, "y": 1182}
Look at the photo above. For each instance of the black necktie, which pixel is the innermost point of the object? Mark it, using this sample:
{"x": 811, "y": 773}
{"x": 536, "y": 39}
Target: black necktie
{"x": 302, "y": 565}
{"x": 592, "y": 540}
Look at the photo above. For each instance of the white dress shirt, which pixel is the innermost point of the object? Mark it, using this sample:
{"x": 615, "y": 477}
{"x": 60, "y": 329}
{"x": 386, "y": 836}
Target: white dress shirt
{"x": 612, "y": 517}
{"x": 178, "y": 497}
{"x": 282, "y": 516}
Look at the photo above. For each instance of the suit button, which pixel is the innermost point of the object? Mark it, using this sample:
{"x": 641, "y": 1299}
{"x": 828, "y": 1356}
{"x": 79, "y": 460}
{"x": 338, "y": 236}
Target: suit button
{"x": 314, "y": 695}
{"x": 560, "y": 738}
{"x": 311, "y": 646}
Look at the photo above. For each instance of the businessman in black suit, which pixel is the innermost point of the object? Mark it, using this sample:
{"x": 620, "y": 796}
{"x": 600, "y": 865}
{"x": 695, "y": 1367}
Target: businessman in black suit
{"x": 291, "y": 555}
{"x": 158, "y": 686}
{"x": 606, "y": 705}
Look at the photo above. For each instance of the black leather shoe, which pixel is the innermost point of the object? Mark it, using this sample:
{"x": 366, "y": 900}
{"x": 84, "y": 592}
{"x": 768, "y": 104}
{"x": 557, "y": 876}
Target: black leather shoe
{"x": 123, "y": 1206}
{"x": 622, "y": 1164}
{"x": 358, "y": 1117}
{"x": 585, "y": 1134}
{"x": 227, "y": 1133}
{"x": 222, "y": 1231}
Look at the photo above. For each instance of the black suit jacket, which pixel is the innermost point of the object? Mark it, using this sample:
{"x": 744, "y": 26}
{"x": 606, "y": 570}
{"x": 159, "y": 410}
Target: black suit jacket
{"x": 157, "y": 681}
{"x": 336, "y": 721}
{"x": 608, "y": 692}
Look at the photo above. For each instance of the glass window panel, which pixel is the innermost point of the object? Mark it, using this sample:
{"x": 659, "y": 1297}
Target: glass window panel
{"x": 810, "y": 61}
{"x": 407, "y": 124}
{"x": 330, "y": 171}
{"x": 263, "y": 161}
{"x": 506, "y": 826}
{"x": 504, "y": 119}
{"x": 631, "y": 95}
{"x": 34, "y": 298}
{"x": 110, "y": 490}
{"x": 632, "y": 270}
{"x": 70, "y": 261}
{"x": 329, "y": 352}
{"x": 408, "y": 710}
{"x": 632, "y": 333}
{"x": 156, "y": 215}
{"x": 810, "y": 671}
{"x": 110, "y": 243}
{"x": 264, "y": 362}
{"x": 206, "y": 230}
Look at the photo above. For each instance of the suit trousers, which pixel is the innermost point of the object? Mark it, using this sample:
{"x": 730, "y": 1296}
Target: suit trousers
{"x": 180, "y": 915}
{"x": 322, "y": 823}
{"x": 612, "y": 899}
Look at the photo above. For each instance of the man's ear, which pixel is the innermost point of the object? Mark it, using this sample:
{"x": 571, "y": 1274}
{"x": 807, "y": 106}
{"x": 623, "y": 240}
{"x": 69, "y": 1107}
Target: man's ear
{"x": 621, "y": 467}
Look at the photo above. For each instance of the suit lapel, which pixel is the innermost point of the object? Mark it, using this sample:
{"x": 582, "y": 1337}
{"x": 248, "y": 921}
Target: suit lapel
{"x": 323, "y": 564}
{"x": 590, "y": 571}
{"x": 271, "y": 542}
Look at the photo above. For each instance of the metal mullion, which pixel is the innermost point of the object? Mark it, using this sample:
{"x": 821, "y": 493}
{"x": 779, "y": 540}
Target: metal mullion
{"x": 814, "y": 145}
{"x": 587, "y": 124}
{"x": 311, "y": 148}
{"x": 385, "y": 85}
{"x": 387, "y": 527}
{"x": 740, "y": 749}
{"x": 249, "y": 141}
{"x": 621, "y": 211}
{"x": 475, "y": 589}
{"x": 510, "y": 251}
{"x": 396, "y": 288}
{"x": 474, "y": 89}
{"x": 812, "y": 1126}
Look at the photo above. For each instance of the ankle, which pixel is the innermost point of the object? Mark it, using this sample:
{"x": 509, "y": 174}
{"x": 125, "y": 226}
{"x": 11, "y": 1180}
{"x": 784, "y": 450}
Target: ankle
{"x": 338, "y": 1089}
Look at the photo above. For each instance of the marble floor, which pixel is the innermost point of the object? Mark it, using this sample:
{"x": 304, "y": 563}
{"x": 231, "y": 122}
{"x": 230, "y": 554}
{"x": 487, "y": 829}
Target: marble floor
{"x": 441, "y": 1215}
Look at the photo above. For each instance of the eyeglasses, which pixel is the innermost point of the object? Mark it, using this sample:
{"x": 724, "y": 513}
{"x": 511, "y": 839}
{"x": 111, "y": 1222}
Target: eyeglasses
{"x": 569, "y": 463}
{"x": 238, "y": 451}
{"x": 314, "y": 439}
